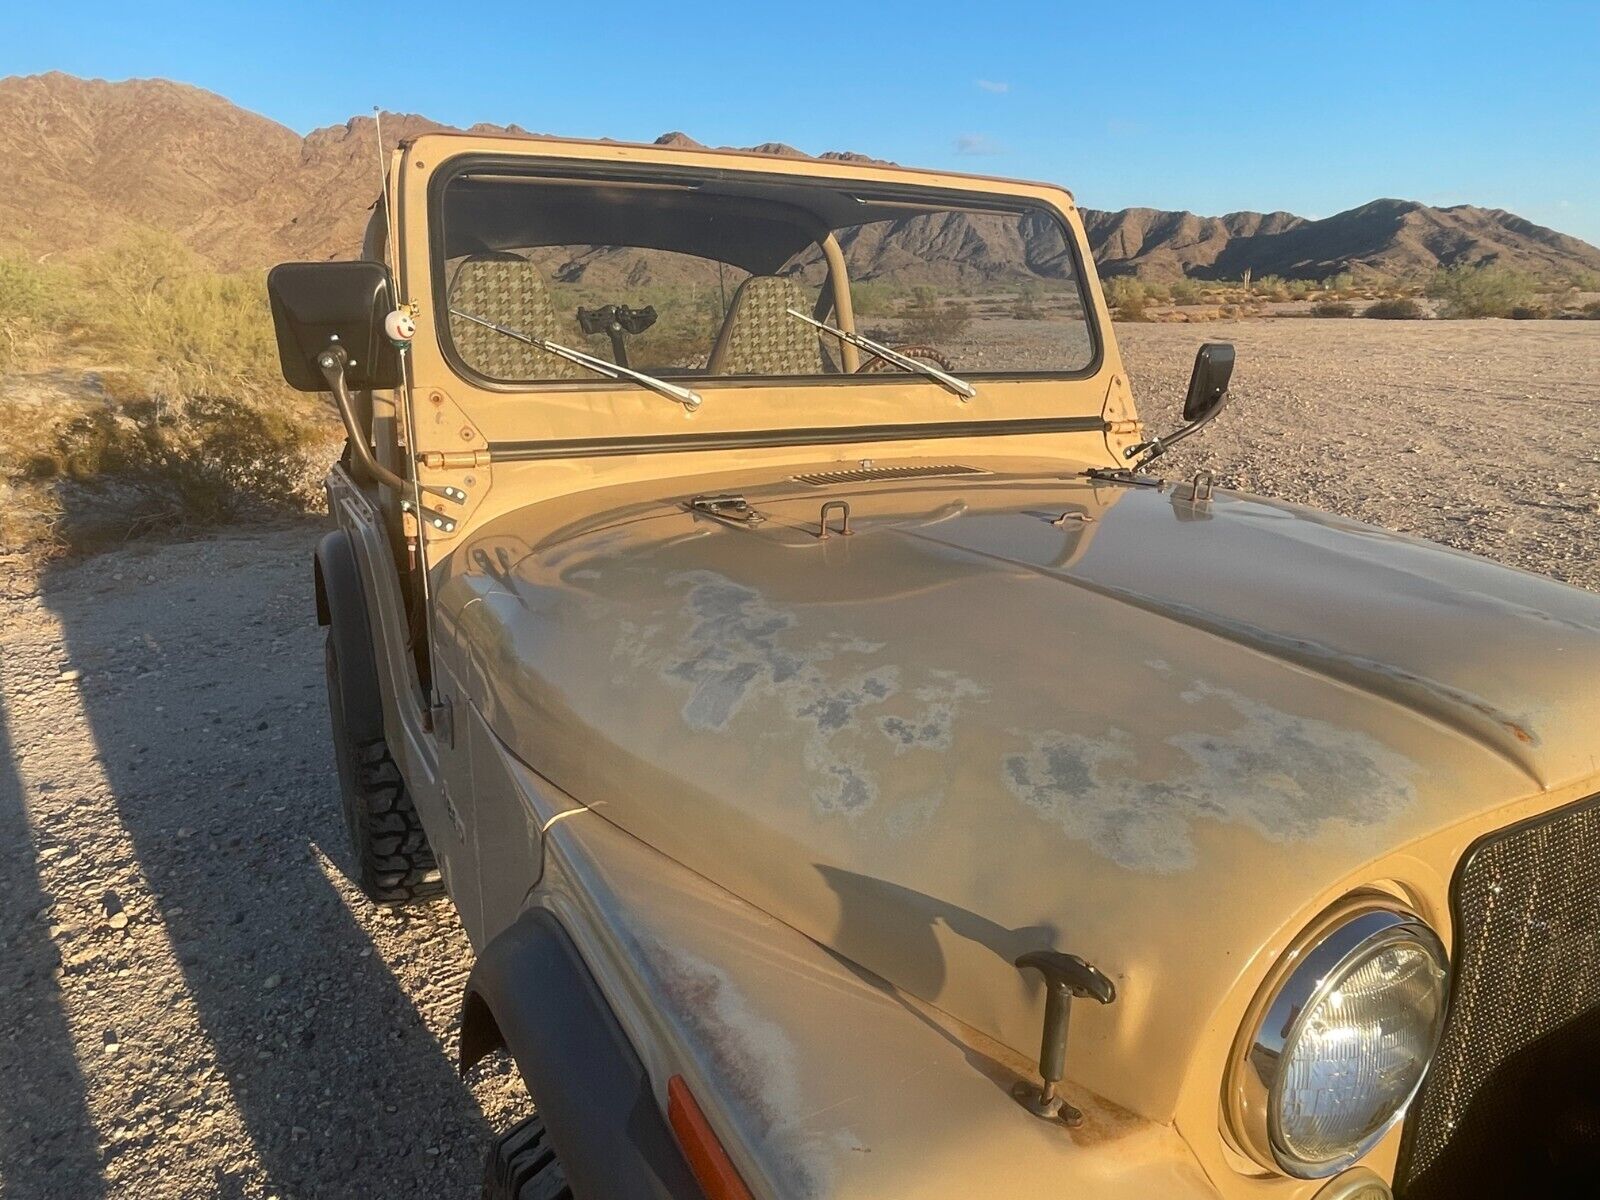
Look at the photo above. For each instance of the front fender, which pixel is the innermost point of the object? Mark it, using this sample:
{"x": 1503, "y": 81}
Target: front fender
{"x": 342, "y": 607}
{"x": 531, "y": 993}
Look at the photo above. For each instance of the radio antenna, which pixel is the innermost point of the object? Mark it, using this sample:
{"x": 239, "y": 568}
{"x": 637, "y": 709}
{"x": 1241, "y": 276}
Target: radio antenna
{"x": 391, "y": 234}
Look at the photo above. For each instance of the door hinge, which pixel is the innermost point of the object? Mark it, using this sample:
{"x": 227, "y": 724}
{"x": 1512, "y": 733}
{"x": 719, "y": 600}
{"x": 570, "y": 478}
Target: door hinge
{"x": 441, "y": 722}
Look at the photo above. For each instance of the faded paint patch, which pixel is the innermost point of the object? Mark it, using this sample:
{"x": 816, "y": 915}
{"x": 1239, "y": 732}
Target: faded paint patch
{"x": 1284, "y": 776}
{"x": 752, "y": 1059}
{"x": 933, "y": 726}
{"x": 739, "y": 651}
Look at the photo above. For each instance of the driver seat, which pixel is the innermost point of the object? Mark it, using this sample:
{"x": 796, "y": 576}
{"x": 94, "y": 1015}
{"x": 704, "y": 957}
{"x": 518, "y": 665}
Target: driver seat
{"x": 507, "y": 289}
{"x": 759, "y": 337}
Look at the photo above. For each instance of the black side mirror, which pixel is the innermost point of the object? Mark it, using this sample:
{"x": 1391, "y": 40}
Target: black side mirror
{"x": 1208, "y": 392}
{"x": 1208, "y": 383}
{"x": 344, "y": 303}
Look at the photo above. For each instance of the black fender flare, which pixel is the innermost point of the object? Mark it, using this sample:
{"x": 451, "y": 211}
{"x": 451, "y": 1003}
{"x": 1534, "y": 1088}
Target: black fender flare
{"x": 531, "y": 993}
{"x": 342, "y": 607}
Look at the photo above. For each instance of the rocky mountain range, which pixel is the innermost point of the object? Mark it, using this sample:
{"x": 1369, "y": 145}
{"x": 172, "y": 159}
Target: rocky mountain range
{"x": 87, "y": 160}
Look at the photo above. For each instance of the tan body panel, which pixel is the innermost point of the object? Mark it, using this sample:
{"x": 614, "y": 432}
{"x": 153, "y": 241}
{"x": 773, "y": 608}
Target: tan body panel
{"x": 968, "y": 731}
{"x": 1009, "y": 712}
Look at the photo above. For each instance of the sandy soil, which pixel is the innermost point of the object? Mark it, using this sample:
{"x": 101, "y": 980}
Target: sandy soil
{"x": 195, "y": 1002}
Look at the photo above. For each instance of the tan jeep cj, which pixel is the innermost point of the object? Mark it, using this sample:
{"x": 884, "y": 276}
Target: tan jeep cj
{"x": 860, "y": 775}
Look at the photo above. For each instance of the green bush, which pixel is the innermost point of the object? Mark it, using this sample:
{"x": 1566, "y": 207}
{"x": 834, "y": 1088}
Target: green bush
{"x": 1126, "y": 295}
{"x": 1270, "y": 287}
{"x": 927, "y": 319}
{"x": 1185, "y": 291}
{"x": 1395, "y": 310}
{"x": 1333, "y": 308}
{"x": 30, "y": 304}
{"x": 1481, "y": 291}
{"x": 190, "y": 422}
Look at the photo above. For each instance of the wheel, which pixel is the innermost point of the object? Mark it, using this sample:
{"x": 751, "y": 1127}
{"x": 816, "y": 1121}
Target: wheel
{"x": 394, "y": 863}
{"x": 522, "y": 1166}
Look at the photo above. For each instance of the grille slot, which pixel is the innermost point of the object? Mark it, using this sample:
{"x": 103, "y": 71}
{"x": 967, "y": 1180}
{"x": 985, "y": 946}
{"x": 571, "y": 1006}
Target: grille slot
{"x": 1509, "y": 1105}
{"x": 874, "y": 474}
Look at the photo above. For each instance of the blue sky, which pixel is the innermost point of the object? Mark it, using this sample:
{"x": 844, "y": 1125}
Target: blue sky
{"x": 1312, "y": 108}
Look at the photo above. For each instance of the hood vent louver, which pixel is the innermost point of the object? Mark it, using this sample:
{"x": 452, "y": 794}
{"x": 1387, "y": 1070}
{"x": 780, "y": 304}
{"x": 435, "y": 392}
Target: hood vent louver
{"x": 874, "y": 474}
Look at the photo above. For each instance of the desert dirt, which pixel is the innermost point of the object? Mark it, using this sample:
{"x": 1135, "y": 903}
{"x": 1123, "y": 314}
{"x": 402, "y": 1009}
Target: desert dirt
{"x": 195, "y": 1001}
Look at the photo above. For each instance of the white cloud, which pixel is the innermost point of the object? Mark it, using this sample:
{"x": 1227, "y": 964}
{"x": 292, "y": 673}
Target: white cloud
{"x": 997, "y": 86}
{"x": 978, "y": 143}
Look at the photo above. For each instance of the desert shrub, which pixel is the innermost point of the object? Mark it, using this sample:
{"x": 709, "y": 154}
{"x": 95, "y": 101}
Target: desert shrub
{"x": 1333, "y": 308}
{"x": 1185, "y": 291}
{"x": 1299, "y": 289}
{"x": 30, "y": 305}
{"x": 1394, "y": 310}
{"x": 1529, "y": 312}
{"x": 1481, "y": 291}
{"x": 1342, "y": 282}
{"x": 1586, "y": 281}
{"x": 1126, "y": 295}
{"x": 872, "y": 298}
{"x": 927, "y": 319}
{"x": 188, "y": 331}
{"x": 192, "y": 426}
{"x": 1592, "y": 310}
{"x": 1270, "y": 287}
{"x": 1026, "y": 307}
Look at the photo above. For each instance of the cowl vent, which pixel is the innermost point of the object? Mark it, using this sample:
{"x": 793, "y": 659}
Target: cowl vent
{"x": 873, "y": 474}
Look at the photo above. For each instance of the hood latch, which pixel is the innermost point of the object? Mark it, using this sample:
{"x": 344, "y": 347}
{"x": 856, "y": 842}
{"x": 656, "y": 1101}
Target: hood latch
{"x": 1065, "y": 976}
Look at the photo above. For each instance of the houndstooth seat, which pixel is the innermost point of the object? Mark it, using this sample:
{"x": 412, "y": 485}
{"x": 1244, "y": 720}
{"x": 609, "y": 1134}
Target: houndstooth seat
{"x": 759, "y": 337}
{"x": 507, "y": 289}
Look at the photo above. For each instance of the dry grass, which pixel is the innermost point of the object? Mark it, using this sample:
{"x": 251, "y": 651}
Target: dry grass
{"x": 190, "y": 425}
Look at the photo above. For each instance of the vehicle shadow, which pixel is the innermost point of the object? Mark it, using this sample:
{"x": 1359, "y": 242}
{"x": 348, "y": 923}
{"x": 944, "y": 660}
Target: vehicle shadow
{"x": 202, "y": 684}
{"x": 45, "y": 1132}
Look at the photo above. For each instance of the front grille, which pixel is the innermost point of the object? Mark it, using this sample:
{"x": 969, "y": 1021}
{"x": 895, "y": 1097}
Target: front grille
{"x": 873, "y": 474}
{"x": 1511, "y": 1102}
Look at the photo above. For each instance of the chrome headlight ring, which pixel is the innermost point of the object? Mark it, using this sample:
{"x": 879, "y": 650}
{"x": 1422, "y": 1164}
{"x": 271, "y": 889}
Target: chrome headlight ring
{"x": 1339, "y": 1049}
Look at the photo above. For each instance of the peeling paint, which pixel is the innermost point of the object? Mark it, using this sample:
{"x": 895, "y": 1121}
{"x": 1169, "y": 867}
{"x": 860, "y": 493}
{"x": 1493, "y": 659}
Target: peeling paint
{"x": 739, "y": 651}
{"x": 1284, "y": 776}
{"x": 756, "y": 1064}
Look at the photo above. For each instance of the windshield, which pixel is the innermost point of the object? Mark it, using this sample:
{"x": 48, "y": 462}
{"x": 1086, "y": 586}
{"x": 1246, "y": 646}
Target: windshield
{"x": 701, "y": 279}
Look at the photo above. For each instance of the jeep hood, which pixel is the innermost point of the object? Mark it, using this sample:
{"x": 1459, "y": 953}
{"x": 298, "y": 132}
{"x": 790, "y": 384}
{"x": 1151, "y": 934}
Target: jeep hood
{"x": 1013, "y": 711}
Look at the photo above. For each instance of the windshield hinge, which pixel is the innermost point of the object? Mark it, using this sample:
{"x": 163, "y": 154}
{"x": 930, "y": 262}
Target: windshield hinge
{"x": 727, "y": 507}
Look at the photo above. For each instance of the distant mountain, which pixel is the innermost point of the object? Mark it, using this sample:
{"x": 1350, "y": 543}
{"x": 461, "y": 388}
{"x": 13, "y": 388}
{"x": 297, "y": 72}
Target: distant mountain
{"x": 87, "y": 159}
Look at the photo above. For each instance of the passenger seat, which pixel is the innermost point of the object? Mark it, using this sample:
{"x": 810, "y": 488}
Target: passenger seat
{"x": 506, "y": 289}
{"x": 759, "y": 337}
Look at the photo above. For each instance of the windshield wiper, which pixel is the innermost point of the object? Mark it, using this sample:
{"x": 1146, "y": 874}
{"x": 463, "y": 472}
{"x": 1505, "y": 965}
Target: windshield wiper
{"x": 687, "y": 397}
{"x": 904, "y": 361}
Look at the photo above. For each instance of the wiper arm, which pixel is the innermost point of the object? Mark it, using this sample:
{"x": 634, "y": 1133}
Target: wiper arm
{"x": 904, "y": 361}
{"x": 688, "y": 397}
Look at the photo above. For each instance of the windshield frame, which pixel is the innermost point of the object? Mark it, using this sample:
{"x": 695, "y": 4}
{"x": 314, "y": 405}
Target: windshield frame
{"x": 537, "y": 167}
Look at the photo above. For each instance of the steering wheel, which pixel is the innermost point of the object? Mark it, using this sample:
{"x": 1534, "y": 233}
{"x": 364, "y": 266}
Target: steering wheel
{"x": 878, "y": 363}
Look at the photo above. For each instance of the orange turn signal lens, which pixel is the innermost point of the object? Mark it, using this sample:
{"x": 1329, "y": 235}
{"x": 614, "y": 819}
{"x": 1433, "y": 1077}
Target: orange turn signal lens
{"x": 707, "y": 1159}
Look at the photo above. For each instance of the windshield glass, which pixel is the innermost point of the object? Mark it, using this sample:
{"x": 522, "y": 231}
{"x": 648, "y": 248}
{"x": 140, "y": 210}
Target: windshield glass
{"x": 698, "y": 279}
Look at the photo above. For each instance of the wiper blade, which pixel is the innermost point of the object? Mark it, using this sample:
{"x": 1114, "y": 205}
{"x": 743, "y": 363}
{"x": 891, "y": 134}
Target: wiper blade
{"x": 687, "y": 397}
{"x": 904, "y": 361}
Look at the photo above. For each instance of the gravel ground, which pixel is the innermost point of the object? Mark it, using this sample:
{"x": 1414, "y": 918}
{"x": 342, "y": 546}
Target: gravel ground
{"x": 195, "y": 1002}
{"x": 1483, "y": 435}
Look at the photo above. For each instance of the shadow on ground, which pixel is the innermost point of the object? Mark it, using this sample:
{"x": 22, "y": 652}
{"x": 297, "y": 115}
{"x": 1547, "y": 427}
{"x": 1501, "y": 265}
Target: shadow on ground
{"x": 202, "y": 688}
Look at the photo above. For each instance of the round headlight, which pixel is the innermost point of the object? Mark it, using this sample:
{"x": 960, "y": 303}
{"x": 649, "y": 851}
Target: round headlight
{"x": 1341, "y": 1044}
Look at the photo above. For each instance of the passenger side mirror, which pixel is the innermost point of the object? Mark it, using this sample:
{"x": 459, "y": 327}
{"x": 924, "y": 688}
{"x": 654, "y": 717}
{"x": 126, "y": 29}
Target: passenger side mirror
{"x": 1208, "y": 392}
{"x": 344, "y": 303}
{"x": 1208, "y": 382}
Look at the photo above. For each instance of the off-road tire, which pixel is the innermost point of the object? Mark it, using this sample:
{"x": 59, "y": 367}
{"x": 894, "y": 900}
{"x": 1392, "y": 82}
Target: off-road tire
{"x": 523, "y": 1166}
{"x": 394, "y": 864}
